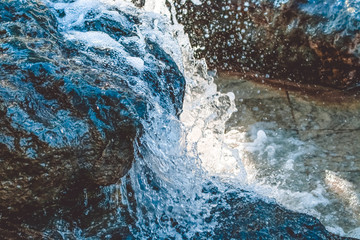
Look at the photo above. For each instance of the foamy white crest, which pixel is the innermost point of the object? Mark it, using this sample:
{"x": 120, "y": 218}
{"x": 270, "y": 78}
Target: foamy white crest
{"x": 205, "y": 110}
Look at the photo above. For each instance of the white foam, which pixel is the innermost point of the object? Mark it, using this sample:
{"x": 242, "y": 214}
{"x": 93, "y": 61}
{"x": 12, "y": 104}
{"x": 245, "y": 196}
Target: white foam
{"x": 196, "y": 2}
{"x": 276, "y": 167}
{"x": 345, "y": 190}
{"x": 94, "y": 39}
{"x": 202, "y": 125}
{"x": 136, "y": 62}
{"x": 355, "y": 233}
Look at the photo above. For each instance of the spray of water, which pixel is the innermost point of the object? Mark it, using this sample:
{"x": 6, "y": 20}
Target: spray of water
{"x": 176, "y": 156}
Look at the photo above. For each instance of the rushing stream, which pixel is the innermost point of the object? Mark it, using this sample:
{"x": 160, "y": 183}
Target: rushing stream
{"x": 188, "y": 180}
{"x": 175, "y": 158}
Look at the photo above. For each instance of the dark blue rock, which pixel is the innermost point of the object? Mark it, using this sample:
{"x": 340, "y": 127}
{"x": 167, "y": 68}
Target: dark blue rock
{"x": 69, "y": 116}
{"x": 66, "y": 115}
{"x": 249, "y": 217}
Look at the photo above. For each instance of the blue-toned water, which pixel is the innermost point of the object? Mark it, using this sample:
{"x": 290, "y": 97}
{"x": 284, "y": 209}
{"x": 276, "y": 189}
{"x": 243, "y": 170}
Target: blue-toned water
{"x": 182, "y": 168}
{"x": 186, "y": 182}
{"x": 175, "y": 158}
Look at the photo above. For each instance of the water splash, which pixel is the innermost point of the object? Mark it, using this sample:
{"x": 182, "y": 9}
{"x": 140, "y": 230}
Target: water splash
{"x": 177, "y": 158}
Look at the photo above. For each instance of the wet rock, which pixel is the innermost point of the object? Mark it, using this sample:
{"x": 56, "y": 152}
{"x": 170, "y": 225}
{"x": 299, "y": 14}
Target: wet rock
{"x": 69, "y": 111}
{"x": 312, "y": 42}
{"x": 239, "y": 214}
{"x": 254, "y": 218}
{"x": 299, "y": 144}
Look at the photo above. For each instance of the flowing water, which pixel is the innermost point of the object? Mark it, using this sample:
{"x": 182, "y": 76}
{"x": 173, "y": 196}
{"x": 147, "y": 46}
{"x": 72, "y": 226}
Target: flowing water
{"x": 176, "y": 157}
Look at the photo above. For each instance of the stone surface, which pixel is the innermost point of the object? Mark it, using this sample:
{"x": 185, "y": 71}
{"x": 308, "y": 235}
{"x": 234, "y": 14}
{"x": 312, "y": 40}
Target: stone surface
{"x": 256, "y": 103}
{"x": 259, "y": 219}
{"x": 303, "y": 145}
{"x": 69, "y": 113}
{"x": 317, "y": 115}
{"x": 313, "y": 42}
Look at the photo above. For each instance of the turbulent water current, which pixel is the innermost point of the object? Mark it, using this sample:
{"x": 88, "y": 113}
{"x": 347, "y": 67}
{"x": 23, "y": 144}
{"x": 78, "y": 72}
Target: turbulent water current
{"x": 186, "y": 181}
